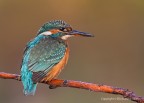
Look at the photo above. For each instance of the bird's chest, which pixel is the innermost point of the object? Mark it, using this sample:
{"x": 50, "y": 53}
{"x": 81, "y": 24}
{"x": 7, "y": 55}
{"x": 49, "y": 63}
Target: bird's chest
{"x": 54, "y": 72}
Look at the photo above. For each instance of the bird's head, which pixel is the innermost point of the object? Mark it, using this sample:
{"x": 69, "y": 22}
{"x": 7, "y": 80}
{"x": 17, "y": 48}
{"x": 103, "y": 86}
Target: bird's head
{"x": 60, "y": 29}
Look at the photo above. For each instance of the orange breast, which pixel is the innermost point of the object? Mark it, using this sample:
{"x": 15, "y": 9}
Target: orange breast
{"x": 54, "y": 72}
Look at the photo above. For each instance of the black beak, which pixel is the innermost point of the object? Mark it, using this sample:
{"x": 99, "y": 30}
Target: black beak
{"x": 78, "y": 33}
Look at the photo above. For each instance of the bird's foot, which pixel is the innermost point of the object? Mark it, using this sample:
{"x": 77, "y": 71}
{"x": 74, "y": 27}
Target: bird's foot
{"x": 52, "y": 87}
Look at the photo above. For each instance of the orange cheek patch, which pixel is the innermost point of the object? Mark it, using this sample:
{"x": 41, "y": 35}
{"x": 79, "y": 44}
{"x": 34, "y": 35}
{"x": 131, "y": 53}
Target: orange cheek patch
{"x": 54, "y": 31}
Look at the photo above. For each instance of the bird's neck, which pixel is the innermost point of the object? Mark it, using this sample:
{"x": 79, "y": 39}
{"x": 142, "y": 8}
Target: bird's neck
{"x": 62, "y": 40}
{"x": 38, "y": 38}
{"x": 35, "y": 41}
{"x": 66, "y": 42}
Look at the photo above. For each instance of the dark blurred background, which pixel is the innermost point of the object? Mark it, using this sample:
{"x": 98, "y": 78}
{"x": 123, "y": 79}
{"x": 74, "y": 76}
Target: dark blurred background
{"x": 115, "y": 56}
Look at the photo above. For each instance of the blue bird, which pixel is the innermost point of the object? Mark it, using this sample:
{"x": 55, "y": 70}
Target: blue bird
{"x": 45, "y": 55}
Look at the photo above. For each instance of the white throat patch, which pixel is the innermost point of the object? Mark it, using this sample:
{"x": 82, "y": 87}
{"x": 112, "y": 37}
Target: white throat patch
{"x": 65, "y": 37}
{"x": 46, "y": 33}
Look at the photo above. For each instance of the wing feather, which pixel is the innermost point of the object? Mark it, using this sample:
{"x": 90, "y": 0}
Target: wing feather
{"x": 44, "y": 56}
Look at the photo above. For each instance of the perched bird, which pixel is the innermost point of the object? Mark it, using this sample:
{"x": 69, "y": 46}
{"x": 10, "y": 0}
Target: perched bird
{"x": 45, "y": 55}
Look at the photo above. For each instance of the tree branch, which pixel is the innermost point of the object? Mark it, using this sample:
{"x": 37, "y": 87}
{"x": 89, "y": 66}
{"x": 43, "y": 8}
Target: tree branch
{"x": 82, "y": 85}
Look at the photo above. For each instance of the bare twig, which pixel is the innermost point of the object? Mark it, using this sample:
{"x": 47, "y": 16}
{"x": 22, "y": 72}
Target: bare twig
{"x": 82, "y": 85}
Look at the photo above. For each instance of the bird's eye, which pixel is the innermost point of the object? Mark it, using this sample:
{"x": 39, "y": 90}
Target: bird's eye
{"x": 68, "y": 29}
{"x": 65, "y": 30}
{"x": 62, "y": 29}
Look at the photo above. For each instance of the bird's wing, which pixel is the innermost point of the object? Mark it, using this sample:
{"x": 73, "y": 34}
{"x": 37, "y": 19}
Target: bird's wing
{"x": 44, "y": 56}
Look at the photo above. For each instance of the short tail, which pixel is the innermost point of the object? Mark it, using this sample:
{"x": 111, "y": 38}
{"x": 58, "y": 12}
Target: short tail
{"x": 29, "y": 85}
{"x": 30, "y": 90}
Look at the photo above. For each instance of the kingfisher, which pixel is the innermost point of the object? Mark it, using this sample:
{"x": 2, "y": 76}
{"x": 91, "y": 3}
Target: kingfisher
{"x": 47, "y": 54}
